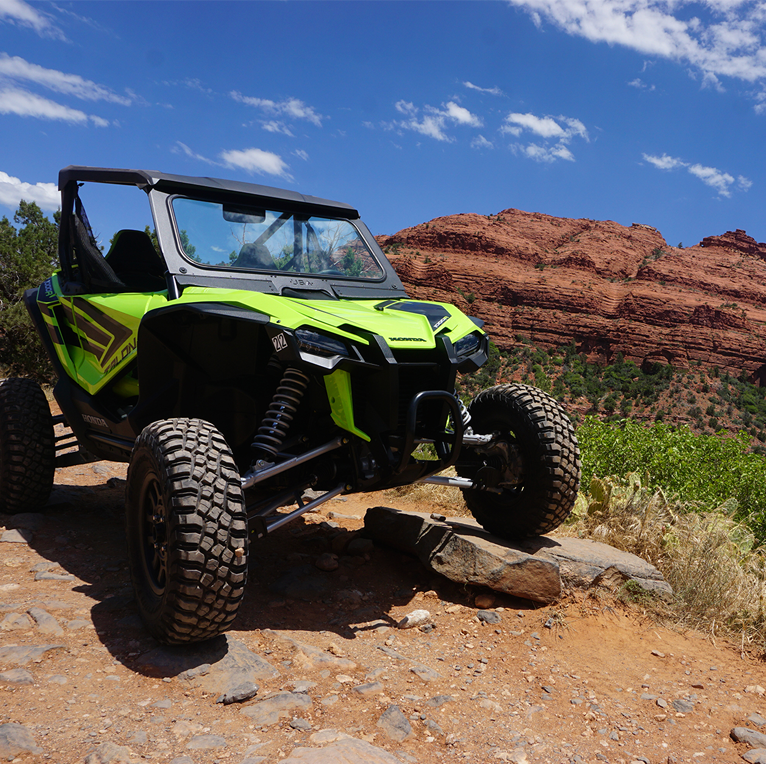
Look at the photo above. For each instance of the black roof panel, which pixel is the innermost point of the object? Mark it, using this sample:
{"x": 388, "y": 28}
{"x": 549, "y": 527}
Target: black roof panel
{"x": 189, "y": 184}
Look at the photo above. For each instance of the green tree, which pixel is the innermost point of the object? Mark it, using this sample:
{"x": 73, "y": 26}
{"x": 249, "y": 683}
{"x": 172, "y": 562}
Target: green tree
{"x": 28, "y": 255}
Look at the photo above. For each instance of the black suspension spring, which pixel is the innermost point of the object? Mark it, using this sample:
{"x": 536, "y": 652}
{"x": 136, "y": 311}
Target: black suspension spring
{"x": 279, "y": 416}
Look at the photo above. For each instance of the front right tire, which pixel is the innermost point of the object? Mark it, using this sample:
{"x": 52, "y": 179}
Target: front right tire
{"x": 186, "y": 530}
{"x": 533, "y": 461}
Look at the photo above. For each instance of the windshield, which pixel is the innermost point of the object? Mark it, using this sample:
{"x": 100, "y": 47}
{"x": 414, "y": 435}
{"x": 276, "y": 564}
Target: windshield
{"x": 229, "y": 236}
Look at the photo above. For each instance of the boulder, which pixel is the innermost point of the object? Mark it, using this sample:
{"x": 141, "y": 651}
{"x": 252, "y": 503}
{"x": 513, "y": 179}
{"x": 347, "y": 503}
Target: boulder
{"x": 536, "y": 569}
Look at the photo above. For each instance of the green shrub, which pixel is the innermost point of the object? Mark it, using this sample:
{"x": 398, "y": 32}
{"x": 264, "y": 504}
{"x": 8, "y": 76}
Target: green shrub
{"x": 28, "y": 255}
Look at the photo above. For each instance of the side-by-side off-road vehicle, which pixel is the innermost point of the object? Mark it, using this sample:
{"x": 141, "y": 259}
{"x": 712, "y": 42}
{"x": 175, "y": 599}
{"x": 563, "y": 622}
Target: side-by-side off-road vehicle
{"x": 256, "y": 351}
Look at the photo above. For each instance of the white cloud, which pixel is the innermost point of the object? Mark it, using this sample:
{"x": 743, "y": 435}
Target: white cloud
{"x": 717, "y": 179}
{"x": 301, "y": 154}
{"x": 23, "y": 14}
{"x": 275, "y": 126}
{"x": 182, "y": 148}
{"x": 434, "y": 121}
{"x": 17, "y": 69}
{"x": 461, "y": 115}
{"x": 561, "y": 130}
{"x": 480, "y": 142}
{"x": 543, "y": 153}
{"x": 13, "y": 190}
{"x": 256, "y": 160}
{"x": 720, "y": 181}
{"x": 664, "y": 162}
{"x": 727, "y": 43}
{"x": 640, "y": 84}
{"x": 546, "y": 127}
{"x": 26, "y": 104}
{"x": 491, "y": 91}
{"x": 290, "y": 107}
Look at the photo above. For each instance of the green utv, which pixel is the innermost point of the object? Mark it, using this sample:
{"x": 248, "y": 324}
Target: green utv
{"x": 258, "y": 352}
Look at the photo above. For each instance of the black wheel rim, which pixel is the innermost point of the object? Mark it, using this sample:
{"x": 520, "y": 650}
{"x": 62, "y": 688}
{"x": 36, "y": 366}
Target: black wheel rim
{"x": 154, "y": 536}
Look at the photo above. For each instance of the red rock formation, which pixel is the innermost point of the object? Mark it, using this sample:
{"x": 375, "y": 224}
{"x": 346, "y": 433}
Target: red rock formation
{"x": 608, "y": 287}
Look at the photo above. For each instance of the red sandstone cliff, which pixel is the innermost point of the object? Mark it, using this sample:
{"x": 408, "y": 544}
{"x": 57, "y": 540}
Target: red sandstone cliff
{"x": 608, "y": 287}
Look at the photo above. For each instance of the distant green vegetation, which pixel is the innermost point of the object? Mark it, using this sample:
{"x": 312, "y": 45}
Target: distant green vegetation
{"x": 695, "y": 434}
{"x": 707, "y": 472}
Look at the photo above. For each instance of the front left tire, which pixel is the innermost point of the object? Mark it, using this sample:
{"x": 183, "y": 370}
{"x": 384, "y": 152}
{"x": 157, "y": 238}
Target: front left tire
{"x": 186, "y": 530}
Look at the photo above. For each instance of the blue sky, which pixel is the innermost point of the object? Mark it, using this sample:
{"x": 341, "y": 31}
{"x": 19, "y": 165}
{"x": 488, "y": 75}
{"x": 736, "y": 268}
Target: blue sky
{"x": 630, "y": 110}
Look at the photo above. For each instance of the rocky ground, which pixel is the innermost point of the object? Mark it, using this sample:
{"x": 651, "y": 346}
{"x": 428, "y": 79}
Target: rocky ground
{"x": 587, "y": 679}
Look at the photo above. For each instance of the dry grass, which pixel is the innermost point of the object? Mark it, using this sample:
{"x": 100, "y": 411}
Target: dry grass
{"x": 718, "y": 579}
{"x": 448, "y": 500}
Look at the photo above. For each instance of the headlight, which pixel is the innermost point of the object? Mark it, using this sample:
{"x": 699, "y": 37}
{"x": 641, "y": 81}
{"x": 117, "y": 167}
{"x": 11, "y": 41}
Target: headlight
{"x": 468, "y": 344}
{"x": 320, "y": 344}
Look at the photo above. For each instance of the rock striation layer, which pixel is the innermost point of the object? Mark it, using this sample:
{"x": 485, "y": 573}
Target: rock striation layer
{"x": 606, "y": 287}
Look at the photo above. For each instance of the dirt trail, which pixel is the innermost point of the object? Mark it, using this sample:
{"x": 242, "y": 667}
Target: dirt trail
{"x": 585, "y": 680}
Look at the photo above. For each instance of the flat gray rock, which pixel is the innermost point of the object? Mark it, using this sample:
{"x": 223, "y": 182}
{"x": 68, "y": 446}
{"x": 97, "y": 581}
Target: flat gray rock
{"x": 17, "y": 536}
{"x": 111, "y": 753}
{"x": 395, "y": 724}
{"x": 536, "y": 569}
{"x": 46, "y": 623}
{"x": 584, "y": 563}
{"x": 311, "y": 657}
{"x": 279, "y": 706}
{"x": 222, "y": 666}
{"x": 20, "y": 655}
{"x": 755, "y": 756}
{"x": 749, "y": 737}
{"x": 16, "y": 676}
{"x": 206, "y": 742}
{"x": 16, "y": 739}
{"x": 346, "y": 751}
{"x": 464, "y": 552}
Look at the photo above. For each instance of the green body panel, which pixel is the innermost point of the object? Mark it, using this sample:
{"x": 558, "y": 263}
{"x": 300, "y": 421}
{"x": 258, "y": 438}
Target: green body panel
{"x": 400, "y": 329}
{"x": 98, "y": 341}
{"x": 338, "y": 386}
{"x": 95, "y": 335}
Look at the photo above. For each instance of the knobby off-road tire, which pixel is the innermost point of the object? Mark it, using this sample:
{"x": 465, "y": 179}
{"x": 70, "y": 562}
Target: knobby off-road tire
{"x": 27, "y": 447}
{"x": 186, "y": 530}
{"x": 550, "y": 462}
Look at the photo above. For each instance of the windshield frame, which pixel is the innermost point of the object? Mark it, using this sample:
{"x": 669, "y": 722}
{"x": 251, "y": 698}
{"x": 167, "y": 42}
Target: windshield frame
{"x": 354, "y": 253}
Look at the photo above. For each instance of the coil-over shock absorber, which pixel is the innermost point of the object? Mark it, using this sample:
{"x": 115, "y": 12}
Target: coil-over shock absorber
{"x": 279, "y": 416}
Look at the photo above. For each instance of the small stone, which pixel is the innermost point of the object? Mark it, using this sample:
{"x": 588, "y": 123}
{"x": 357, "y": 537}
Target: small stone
{"x": 683, "y": 706}
{"x": 327, "y": 561}
{"x": 16, "y": 676}
{"x": 658, "y": 654}
{"x": 756, "y": 719}
{"x": 755, "y": 756}
{"x": 489, "y": 616}
{"x": 44, "y": 575}
{"x": 15, "y": 622}
{"x": 360, "y": 546}
{"x": 46, "y": 623}
{"x": 748, "y": 736}
{"x": 300, "y": 724}
{"x": 238, "y": 694}
{"x": 279, "y": 706}
{"x": 484, "y": 601}
{"x": 662, "y": 703}
{"x": 206, "y": 742}
{"x": 17, "y": 536}
{"x": 755, "y": 689}
{"x": 414, "y": 619}
{"x": 439, "y": 700}
{"x": 111, "y": 753}
{"x": 395, "y": 724}
{"x": 370, "y": 688}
